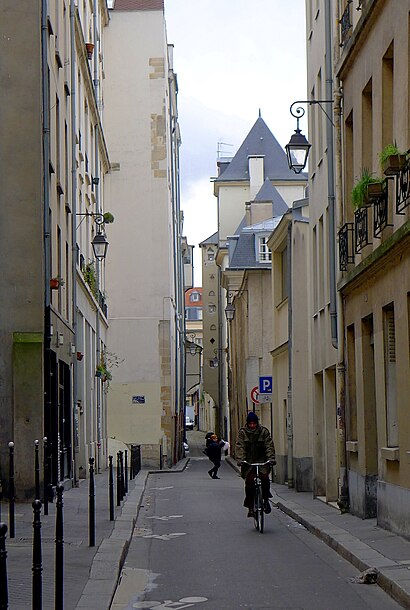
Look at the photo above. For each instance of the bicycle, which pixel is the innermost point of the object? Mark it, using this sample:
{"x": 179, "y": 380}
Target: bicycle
{"x": 258, "y": 512}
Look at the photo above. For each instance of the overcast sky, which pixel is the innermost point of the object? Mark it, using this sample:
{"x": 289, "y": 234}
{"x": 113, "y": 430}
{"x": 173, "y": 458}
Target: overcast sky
{"x": 232, "y": 58}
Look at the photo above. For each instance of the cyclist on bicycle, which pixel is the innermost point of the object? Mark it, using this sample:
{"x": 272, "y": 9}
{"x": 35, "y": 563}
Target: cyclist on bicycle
{"x": 254, "y": 444}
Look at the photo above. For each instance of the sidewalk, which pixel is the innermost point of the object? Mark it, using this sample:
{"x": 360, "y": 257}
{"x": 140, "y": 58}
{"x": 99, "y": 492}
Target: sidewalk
{"x": 360, "y": 541}
{"x": 90, "y": 573}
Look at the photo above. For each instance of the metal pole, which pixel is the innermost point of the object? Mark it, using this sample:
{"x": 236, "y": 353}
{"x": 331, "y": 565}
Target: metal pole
{"x": 122, "y": 474}
{"x": 45, "y": 475}
{"x": 118, "y": 480}
{"x": 11, "y": 489}
{"x": 4, "y": 598}
{"x": 59, "y": 552}
{"x": 37, "y": 559}
{"x": 111, "y": 488}
{"x": 36, "y": 472}
{"x": 91, "y": 506}
{"x": 126, "y": 471}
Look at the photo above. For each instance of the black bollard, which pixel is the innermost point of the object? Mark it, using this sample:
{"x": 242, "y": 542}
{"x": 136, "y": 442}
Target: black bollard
{"x": 126, "y": 471}
{"x": 36, "y": 472}
{"x": 50, "y": 470}
{"x": 1, "y": 495}
{"x": 11, "y": 489}
{"x": 45, "y": 476}
{"x": 4, "y": 598}
{"x": 122, "y": 474}
{"x": 118, "y": 480}
{"x": 37, "y": 602}
{"x": 59, "y": 556}
{"x": 91, "y": 506}
{"x": 111, "y": 489}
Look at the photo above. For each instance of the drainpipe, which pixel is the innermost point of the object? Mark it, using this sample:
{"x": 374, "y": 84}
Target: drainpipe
{"x": 98, "y": 263}
{"x": 343, "y": 501}
{"x": 74, "y": 235}
{"x": 289, "y": 415}
{"x": 330, "y": 175}
{"x": 46, "y": 226}
{"x": 179, "y": 341}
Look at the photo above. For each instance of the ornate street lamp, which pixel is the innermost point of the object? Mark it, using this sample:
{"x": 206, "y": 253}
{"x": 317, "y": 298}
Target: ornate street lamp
{"x": 100, "y": 246}
{"x": 298, "y": 148}
{"x": 230, "y": 312}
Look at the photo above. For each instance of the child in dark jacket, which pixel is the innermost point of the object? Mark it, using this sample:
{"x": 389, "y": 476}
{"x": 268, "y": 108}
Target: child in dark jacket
{"x": 214, "y": 454}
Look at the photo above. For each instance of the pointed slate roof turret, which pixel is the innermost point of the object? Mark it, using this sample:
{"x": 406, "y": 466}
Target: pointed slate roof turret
{"x": 270, "y": 193}
{"x": 260, "y": 141}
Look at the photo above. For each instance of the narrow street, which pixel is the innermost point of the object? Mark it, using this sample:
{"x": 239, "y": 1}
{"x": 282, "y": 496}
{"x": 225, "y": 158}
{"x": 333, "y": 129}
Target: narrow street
{"x": 193, "y": 547}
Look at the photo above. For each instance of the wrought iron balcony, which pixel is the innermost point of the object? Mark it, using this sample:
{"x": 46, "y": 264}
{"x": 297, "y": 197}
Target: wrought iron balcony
{"x": 403, "y": 189}
{"x": 346, "y": 246}
{"x": 380, "y": 213}
{"x": 361, "y": 228}
{"x": 346, "y": 24}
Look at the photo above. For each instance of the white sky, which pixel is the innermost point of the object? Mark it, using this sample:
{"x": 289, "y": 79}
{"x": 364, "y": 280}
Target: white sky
{"x": 232, "y": 58}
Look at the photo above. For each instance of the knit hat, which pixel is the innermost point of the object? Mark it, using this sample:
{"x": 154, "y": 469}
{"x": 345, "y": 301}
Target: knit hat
{"x": 252, "y": 417}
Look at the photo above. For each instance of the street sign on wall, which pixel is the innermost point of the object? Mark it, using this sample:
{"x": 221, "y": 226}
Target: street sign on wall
{"x": 265, "y": 385}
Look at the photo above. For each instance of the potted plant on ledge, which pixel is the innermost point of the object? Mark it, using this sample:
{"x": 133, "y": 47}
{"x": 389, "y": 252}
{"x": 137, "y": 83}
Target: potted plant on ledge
{"x": 366, "y": 189}
{"x": 56, "y": 282}
{"x": 392, "y": 160}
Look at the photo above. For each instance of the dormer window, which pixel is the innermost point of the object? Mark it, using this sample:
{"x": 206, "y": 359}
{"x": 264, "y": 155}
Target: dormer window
{"x": 194, "y": 297}
{"x": 265, "y": 255}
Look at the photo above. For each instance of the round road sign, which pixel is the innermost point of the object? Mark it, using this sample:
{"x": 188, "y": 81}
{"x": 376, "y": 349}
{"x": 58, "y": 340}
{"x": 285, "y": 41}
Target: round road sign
{"x": 254, "y": 395}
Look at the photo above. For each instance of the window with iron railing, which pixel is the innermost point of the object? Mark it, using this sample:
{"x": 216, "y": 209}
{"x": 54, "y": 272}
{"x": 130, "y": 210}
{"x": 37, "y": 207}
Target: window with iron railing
{"x": 361, "y": 229}
{"x": 345, "y": 22}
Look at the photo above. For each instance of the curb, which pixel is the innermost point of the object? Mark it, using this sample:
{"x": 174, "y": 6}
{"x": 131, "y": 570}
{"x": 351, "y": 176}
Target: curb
{"x": 353, "y": 550}
{"x": 349, "y": 547}
{"x": 105, "y": 570}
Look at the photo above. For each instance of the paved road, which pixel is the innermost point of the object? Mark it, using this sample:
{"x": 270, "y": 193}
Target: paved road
{"x": 193, "y": 547}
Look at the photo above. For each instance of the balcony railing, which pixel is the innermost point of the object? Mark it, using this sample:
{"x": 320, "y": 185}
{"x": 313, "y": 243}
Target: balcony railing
{"x": 361, "y": 228}
{"x": 380, "y": 213}
{"x": 346, "y": 24}
{"x": 346, "y": 245}
{"x": 403, "y": 189}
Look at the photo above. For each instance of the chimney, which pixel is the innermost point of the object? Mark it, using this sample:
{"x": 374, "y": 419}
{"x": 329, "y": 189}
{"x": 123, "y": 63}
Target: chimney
{"x": 256, "y": 164}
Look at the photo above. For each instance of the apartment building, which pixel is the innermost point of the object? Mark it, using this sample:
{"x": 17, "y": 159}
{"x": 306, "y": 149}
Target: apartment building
{"x": 145, "y": 272}
{"x": 53, "y": 316}
{"x": 254, "y": 189}
{"x": 374, "y": 263}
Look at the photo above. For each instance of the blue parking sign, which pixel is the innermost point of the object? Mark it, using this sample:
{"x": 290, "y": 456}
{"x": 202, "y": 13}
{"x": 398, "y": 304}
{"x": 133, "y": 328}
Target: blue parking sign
{"x": 265, "y": 385}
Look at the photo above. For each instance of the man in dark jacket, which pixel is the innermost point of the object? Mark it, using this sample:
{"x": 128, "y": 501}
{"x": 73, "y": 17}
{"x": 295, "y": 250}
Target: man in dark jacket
{"x": 254, "y": 444}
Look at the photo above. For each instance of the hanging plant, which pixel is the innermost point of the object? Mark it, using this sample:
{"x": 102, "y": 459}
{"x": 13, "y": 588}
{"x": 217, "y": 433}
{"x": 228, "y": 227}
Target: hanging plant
{"x": 392, "y": 160}
{"x": 56, "y": 282}
{"x": 366, "y": 188}
{"x": 90, "y": 277}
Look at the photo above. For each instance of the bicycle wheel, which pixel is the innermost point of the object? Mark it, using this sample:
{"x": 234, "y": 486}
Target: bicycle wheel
{"x": 257, "y": 506}
{"x": 261, "y": 512}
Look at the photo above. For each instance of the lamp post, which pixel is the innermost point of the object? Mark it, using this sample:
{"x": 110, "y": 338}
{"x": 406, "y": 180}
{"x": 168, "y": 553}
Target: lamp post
{"x": 297, "y": 150}
{"x": 100, "y": 246}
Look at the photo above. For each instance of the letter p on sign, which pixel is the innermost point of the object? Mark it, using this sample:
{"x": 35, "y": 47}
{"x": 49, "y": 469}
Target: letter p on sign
{"x": 265, "y": 385}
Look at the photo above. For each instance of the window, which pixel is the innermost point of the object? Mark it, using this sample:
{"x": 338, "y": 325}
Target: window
{"x": 390, "y": 373}
{"x": 265, "y": 255}
{"x": 194, "y": 297}
{"x": 211, "y": 254}
{"x": 284, "y": 273}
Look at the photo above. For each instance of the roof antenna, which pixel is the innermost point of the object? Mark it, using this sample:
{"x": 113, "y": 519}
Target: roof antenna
{"x": 260, "y": 116}
{"x": 219, "y": 151}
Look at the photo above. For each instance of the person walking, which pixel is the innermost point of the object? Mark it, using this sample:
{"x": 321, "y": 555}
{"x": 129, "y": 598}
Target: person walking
{"x": 254, "y": 444}
{"x": 214, "y": 450}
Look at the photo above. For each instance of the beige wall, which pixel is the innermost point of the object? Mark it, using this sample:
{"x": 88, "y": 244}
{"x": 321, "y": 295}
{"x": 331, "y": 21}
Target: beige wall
{"x": 140, "y": 271}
